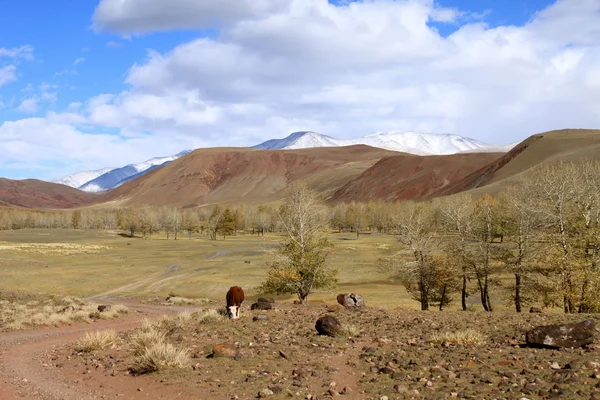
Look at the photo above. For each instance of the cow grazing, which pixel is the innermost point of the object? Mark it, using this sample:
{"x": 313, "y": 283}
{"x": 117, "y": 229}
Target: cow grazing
{"x": 235, "y": 297}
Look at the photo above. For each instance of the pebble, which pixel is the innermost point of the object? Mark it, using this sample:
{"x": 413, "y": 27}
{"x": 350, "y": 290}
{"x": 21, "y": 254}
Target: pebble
{"x": 554, "y": 365}
{"x": 265, "y": 393}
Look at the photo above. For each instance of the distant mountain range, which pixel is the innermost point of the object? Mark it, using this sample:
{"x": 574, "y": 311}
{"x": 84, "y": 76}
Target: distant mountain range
{"x": 423, "y": 144}
{"x": 339, "y": 174}
{"x": 110, "y": 178}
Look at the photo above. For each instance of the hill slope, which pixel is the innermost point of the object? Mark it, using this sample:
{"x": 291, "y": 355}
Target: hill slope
{"x": 33, "y": 193}
{"x": 547, "y": 147}
{"x": 410, "y": 177}
{"x": 235, "y": 176}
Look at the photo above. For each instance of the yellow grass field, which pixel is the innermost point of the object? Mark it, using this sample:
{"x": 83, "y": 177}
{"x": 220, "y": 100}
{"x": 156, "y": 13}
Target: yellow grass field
{"x": 106, "y": 264}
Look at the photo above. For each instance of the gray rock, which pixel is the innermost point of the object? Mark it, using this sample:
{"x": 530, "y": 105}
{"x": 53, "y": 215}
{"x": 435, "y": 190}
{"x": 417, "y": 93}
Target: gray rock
{"x": 562, "y": 336}
{"x": 351, "y": 300}
{"x": 260, "y": 317}
{"x": 261, "y": 305}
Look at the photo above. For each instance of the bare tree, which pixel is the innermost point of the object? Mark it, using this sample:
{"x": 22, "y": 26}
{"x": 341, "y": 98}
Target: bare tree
{"x": 416, "y": 230}
{"x": 522, "y": 224}
{"x": 301, "y": 265}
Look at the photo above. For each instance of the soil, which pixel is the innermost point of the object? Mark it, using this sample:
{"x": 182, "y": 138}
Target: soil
{"x": 391, "y": 354}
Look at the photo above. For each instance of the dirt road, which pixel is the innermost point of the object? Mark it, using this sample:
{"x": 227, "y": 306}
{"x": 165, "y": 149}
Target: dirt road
{"x": 24, "y": 372}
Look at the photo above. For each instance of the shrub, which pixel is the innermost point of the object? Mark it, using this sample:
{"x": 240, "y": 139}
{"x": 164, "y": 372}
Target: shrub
{"x": 96, "y": 340}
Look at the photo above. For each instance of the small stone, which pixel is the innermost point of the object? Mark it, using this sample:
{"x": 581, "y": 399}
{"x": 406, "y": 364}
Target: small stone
{"x": 260, "y": 317}
{"x": 555, "y": 365}
{"x": 140, "y": 390}
{"x": 347, "y": 390}
{"x": 265, "y": 393}
{"x": 383, "y": 398}
{"x": 332, "y": 392}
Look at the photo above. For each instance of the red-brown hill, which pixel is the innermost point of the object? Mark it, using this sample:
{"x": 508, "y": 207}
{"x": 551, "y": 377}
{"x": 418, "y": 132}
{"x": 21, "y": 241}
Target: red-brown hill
{"x": 253, "y": 176}
{"x": 33, "y": 193}
{"x": 410, "y": 177}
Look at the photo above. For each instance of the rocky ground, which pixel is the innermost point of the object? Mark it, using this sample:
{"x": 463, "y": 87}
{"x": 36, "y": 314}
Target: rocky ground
{"x": 393, "y": 354}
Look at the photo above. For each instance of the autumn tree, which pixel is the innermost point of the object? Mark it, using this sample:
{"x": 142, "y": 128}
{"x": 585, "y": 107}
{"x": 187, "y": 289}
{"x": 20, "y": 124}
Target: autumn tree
{"x": 418, "y": 234}
{"x": 522, "y": 223}
{"x": 227, "y": 224}
{"x": 302, "y": 258}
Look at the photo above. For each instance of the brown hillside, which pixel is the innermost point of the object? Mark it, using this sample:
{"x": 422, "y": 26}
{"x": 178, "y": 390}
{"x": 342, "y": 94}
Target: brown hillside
{"x": 410, "y": 177}
{"x": 241, "y": 175}
{"x": 33, "y": 193}
{"x": 566, "y": 144}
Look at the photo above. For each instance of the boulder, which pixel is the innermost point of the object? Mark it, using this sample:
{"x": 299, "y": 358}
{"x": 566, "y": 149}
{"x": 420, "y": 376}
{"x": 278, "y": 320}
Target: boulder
{"x": 104, "y": 307}
{"x": 261, "y": 305}
{"x": 267, "y": 300}
{"x": 535, "y": 310}
{"x": 328, "y": 325}
{"x": 562, "y": 336}
{"x": 351, "y": 301}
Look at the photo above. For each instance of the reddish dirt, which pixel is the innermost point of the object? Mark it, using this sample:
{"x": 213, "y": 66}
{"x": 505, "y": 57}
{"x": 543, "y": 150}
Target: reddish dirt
{"x": 33, "y": 193}
{"x": 27, "y": 370}
{"x": 410, "y": 177}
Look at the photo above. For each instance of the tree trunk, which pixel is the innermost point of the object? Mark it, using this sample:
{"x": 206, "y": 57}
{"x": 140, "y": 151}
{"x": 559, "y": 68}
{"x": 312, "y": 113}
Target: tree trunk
{"x": 443, "y": 299}
{"x": 518, "y": 292}
{"x": 464, "y": 293}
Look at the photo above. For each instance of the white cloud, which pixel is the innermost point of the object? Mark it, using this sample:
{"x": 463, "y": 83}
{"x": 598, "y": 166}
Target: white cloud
{"x": 78, "y": 61}
{"x": 377, "y": 65}
{"x": 48, "y": 141}
{"x": 25, "y": 52}
{"x": 29, "y": 106}
{"x": 358, "y": 68}
{"x": 7, "y": 74}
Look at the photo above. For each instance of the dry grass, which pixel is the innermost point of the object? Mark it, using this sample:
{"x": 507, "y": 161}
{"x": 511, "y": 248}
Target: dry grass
{"x": 96, "y": 341}
{"x": 183, "y": 301}
{"x": 351, "y": 330}
{"x": 208, "y": 315}
{"x": 160, "y": 356}
{"x": 464, "y": 337}
{"x": 20, "y": 310}
{"x": 65, "y": 249}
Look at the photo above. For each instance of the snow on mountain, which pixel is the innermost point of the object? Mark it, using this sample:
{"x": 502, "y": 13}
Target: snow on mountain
{"x": 80, "y": 178}
{"x": 299, "y": 140}
{"x": 109, "y": 178}
{"x": 407, "y": 142}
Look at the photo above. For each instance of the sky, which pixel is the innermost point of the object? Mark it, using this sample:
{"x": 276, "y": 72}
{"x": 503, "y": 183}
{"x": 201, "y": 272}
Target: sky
{"x": 91, "y": 84}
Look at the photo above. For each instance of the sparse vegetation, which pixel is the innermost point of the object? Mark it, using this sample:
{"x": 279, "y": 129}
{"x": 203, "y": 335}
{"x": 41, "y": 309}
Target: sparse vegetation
{"x": 20, "y": 310}
{"x": 159, "y": 356}
{"x": 462, "y": 337}
{"x": 96, "y": 341}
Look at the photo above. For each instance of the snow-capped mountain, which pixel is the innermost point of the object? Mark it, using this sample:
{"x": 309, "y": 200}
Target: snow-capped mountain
{"x": 300, "y": 140}
{"x": 80, "y": 178}
{"x": 407, "y": 142}
{"x": 113, "y": 177}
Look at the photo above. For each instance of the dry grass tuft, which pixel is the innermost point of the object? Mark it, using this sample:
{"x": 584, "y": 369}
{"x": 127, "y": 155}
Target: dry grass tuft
{"x": 209, "y": 315}
{"x": 96, "y": 341}
{"x": 182, "y": 301}
{"x": 159, "y": 356}
{"x": 465, "y": 337}
{"x": 351, "y": 330}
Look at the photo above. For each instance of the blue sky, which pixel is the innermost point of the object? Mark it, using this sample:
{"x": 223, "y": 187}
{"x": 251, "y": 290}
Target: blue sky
{"x": 188, "y": 74}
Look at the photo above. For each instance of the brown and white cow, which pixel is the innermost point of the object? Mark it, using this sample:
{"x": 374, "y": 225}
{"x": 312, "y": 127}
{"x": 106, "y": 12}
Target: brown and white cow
{"x": 235, "y": 297}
